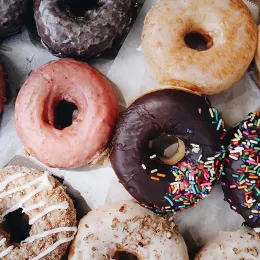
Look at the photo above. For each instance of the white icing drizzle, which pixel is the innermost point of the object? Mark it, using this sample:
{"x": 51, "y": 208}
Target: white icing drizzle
{"x": 50, "y": 232}
{"x": 6, "y": 251}
{"x": 45, "y": 183}
{"x": 2, "y": 241}
{"x": 53, "y": 247}
{"x": 63, "y": 205}
{"x": 22, "y": 187}
{"x": 56, "y": 244}
{"x": 34, "y": 206}
{"x": 10, "y": 179}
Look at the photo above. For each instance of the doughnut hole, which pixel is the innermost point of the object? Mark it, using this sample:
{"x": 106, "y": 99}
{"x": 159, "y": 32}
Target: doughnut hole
{"x": 198, "y": 41}
{"x": 65, "y": 113}
{"x": 78, "y": 8}
{"x": 121, "y": 255}
{"x": 16, "y": 227}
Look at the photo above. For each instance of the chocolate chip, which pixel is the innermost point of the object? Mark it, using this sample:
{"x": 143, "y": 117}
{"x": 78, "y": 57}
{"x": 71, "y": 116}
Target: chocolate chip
{"x": 165, "y": 145}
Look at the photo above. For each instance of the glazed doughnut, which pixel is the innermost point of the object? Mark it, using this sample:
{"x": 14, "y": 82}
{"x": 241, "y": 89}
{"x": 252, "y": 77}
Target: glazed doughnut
{"x": 77, "y": 28}
{"x": 241, "y": 182}
{"x": 2, "y": 87}
{"x": 127, "y": 227}
{"x": 51, "y": 213}
{"x": 227, "y": 28}
{"x": 78, "y": 86}
{"x": 167, "y": 150}
{"x": 12, "y": 14}
{"x": 243, "y": 243}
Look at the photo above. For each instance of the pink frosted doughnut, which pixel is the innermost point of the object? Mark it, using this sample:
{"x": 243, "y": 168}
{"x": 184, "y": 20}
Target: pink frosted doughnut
{"x": 86, "y": 138}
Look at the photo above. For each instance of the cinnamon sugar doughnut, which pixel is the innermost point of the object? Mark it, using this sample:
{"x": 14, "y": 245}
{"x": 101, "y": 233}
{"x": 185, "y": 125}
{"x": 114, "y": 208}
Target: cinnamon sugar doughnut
{"x": 51, "y": 213}
{"x": 127, "y": 227}
{"x": 239, "y": 244}
{"x": 78, "y": 85}
{"x": 227, "y": 27}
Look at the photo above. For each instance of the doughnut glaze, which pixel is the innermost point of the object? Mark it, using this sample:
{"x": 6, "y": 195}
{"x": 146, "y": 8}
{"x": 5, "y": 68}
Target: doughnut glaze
{"x": 228, "y": 28}
{"x": 88, "y": 135}
{"x": 239, "y": 244}
{"x": 12, "y": 15}
{"x": 241, "y": 182}
{"x": 81, "y": 35}
{"x": 125, "y": 226}
{"x": 161, "y": 187}
{"x": 50, "y": 211}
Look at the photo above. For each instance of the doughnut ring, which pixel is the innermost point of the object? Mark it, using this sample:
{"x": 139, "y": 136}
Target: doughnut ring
{"x": 167, "y": 150}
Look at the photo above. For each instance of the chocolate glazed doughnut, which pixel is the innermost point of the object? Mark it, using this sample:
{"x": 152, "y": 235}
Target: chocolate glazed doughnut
{"x": 12, "y": 14}
{"x": 167, "y": 150}
{"x": 78, "y": 28}
{"x": 241, "y": 182}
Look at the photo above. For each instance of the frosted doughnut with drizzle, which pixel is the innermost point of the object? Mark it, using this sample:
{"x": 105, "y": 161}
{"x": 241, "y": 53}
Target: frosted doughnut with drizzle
{"x": 241, "y": 182}
{"x": 51, "y": 213}
{"x": 167, "y": 150}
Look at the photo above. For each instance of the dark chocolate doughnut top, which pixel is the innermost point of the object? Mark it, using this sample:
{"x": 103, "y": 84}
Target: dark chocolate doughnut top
{"x": 12, "y": 14}
{"x": 169, "y": 188}
{"x": 241, "y": 182}
{"x": 81, "y": 28}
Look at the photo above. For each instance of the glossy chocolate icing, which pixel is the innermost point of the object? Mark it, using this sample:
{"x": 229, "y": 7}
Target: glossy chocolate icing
{"x": 241, "y": 182}
{"x": 12, "y": 15}
{"x": 174, "y": 112}
{"x": 73, "y": 28}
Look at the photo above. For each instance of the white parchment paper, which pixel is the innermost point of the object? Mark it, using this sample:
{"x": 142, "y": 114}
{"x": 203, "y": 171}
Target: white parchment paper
{"x": 99, "y": 185}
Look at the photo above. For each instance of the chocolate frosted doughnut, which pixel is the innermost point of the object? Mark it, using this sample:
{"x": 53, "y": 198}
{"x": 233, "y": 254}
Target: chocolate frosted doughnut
{"x": 78, "y": 28}
{"x": 241, "y": 183}
{"x": 12, "y": 14}
{"x": 158, "y": 180}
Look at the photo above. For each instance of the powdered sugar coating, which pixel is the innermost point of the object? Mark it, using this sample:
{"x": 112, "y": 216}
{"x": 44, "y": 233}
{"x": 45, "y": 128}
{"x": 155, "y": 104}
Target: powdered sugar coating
{"x": 67, "y": 35}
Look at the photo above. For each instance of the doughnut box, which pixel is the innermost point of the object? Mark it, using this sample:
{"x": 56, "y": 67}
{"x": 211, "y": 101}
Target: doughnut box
{"x": 97, "y": 186}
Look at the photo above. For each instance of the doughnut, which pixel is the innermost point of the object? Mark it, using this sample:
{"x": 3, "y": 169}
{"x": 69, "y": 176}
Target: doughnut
{"x": 257, "y": 58}
{"x": 205, "y": 46}
{"x": 49, "y": 94}
{"x": 50, "y": 211}
{"x": 2, "y": 87}
{"x": 183, "y": 169}
{"x": 81, "y": 29}
{"x": 12, "y": 15}
{"x": 241, "y": 181}
{"x": 239, "y": 244}
{"x": 126, "y": 227}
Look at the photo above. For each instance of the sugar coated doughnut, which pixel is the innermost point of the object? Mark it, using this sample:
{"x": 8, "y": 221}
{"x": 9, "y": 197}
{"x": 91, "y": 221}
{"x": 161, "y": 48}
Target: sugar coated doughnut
{"x": 51, "y": 214}
{"x": 78, "y": 28}
{"x": 12, "y": 14}
{"x": 127, "y": 227}
{"x": 241, "y": 182}
{"x": 167, "y": 150}
{"x": 2, "y": 87}
{"x": 57, "y": 88}
{"x": 227, "y": 29}
{"x": 240, "y": 244}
